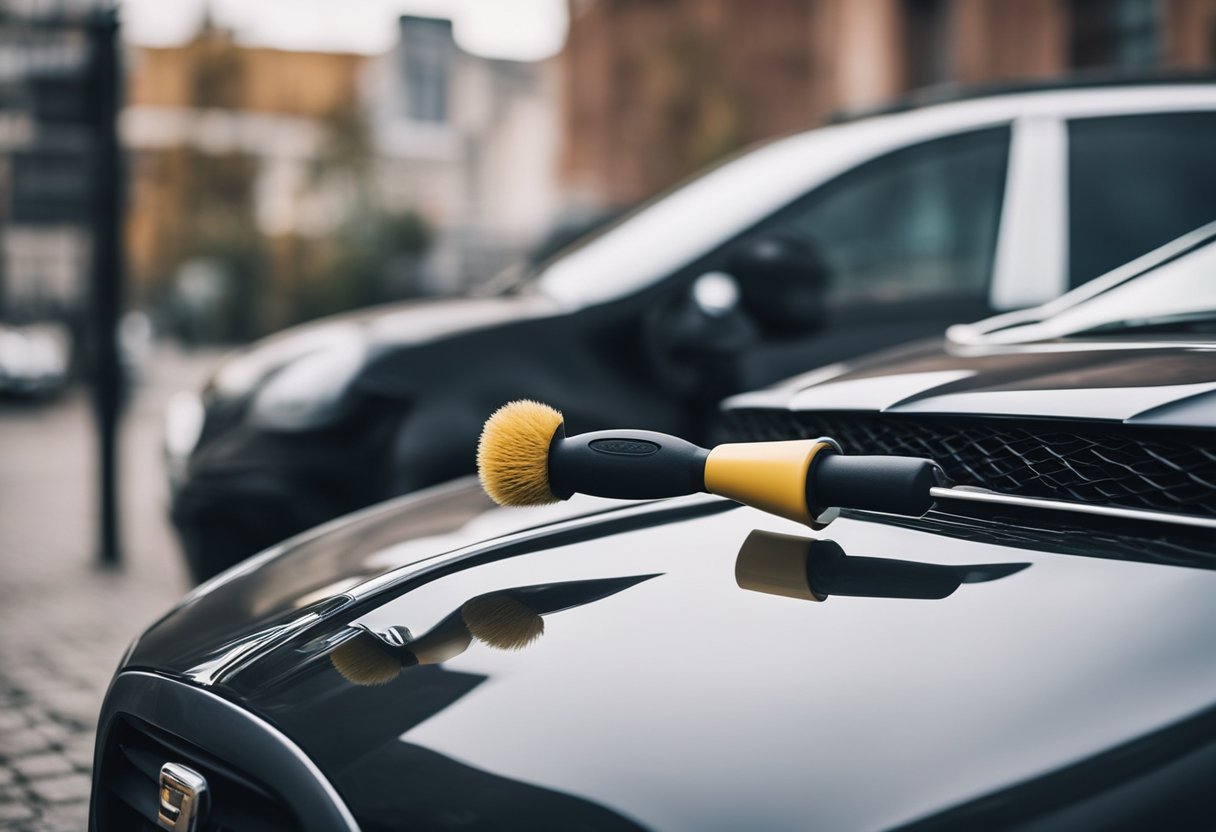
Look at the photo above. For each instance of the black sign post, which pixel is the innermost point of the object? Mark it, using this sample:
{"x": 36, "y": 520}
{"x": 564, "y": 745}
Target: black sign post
{"x": 106, "y": 290}
{"x": 62, "y": 67}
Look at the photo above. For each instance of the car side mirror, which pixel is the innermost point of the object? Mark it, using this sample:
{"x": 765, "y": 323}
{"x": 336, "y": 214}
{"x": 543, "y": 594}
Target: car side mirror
{"x": 783, "y": 281}
{"x": 693, "y": 339}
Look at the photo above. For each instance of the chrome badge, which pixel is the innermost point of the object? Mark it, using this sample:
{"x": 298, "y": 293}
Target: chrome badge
{"x": 182, "y": 793}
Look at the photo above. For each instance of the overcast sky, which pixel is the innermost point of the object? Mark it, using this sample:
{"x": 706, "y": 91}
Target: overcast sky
{"x": 520, "y": 29}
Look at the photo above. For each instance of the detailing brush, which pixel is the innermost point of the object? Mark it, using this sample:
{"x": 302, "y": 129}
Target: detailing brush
{"x": 525, "y": 458}
{"x": 512, "y": 454}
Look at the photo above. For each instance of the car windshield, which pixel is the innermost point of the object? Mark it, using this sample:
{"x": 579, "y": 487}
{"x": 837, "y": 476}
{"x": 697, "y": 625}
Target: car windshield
{"x": 672, "y": 229}
{"x": 1172, "y": 289}
{"x": 566, "y": 277}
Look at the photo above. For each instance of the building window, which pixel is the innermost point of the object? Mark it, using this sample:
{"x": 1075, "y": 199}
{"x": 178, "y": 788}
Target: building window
{"x": 426, "y": 54}
{"x": 928, "y": 39}
{"x": 1115, "y": 33}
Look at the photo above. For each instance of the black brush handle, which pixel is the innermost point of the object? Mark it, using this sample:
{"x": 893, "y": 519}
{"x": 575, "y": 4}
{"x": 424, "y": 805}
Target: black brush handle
{"x": 628, "y": 464}
{"x": 890, "y": 484}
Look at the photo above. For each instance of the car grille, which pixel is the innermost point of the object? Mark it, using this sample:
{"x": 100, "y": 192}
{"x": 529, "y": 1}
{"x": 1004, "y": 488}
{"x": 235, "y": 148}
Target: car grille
{"x": 1127, "y": 467}
{"x": 130, "y": 777}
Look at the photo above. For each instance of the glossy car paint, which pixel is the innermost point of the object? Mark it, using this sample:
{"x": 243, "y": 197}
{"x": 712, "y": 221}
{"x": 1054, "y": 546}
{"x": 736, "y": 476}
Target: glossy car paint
{"x": 1139, "y": 380}
{"x": 1060, "y": 361}
{"x": 952, "y": 672}
{"x": 685, "y": 701}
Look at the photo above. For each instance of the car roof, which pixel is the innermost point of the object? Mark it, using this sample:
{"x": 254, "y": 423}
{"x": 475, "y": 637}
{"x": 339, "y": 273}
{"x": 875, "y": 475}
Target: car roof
{"x": 952, "y": 92}
{"x": 677, "y": 228}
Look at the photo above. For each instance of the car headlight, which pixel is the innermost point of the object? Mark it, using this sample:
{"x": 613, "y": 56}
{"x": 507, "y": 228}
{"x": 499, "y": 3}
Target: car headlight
{"x": 36, "y": 353}
{"x": 183, "y": 424}
{"x": 309, "y": 393}
{"x": 241, "y": 373}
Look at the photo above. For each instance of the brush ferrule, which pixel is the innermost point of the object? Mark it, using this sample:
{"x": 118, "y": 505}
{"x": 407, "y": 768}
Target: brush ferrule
{"x": 561, "y": 492}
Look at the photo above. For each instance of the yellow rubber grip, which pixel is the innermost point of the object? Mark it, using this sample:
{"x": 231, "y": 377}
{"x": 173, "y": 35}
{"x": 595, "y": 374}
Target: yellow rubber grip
{"x": 770, "y": 476}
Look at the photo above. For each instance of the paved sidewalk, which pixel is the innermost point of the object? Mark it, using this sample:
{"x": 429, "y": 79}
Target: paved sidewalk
{"x": 64, "y": 623}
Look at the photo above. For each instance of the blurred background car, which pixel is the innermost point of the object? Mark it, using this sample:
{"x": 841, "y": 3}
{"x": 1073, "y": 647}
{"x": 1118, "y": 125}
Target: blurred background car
{"x": 1035, "y": 649}
{"x": 33, "y": 359}
{"x": 803, "y": 252}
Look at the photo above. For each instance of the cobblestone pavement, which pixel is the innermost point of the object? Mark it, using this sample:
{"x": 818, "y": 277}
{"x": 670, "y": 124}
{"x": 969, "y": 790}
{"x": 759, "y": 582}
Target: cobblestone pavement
{"x": 64, "y": 623}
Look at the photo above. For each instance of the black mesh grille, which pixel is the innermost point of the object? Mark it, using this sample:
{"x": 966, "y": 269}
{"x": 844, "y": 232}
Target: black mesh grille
{"x": 1127, "y": 467}
{"x": 129, "y": 780}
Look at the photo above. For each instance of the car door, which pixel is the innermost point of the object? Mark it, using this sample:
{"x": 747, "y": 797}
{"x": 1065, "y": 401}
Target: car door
{"x": 910, "y": 239}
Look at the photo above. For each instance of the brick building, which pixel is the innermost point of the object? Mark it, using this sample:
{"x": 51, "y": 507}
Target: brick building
{"x": 273, "y": 185}
{"x": 656, "y": 90}
{"x": 224, "y": 141}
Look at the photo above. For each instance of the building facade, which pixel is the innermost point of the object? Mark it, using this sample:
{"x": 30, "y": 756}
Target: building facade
{"x": 270, "y": 186}
{"x": 654, "y": 91}
{"x": 470, "y": 143}
{"x": 234, "y": 153}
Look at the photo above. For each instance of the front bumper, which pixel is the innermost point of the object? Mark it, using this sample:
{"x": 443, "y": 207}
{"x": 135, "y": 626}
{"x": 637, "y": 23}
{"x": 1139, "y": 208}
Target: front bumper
{"x": 242, "y": 490}
{"x": 149, "y": 720}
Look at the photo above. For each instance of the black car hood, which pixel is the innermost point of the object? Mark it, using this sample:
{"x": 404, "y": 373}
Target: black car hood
{"x": 429, "y": 320}
{"x": 1135, "y": 381}
{"x": 375, "y": 331}
{"x": 662, "y": 694}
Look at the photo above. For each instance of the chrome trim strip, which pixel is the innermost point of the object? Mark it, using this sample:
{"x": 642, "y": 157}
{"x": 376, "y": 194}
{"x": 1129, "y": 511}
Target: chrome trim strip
{"x": 982, "y": 496}
{"x": 245, "y": 652}
{"x": 165, "y": 703}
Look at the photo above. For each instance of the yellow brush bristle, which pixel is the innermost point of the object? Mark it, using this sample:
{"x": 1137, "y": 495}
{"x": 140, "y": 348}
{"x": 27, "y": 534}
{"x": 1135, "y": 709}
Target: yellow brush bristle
{"x": 513, "y": 453}
{"x": 364, "y": 660}
{"x": 501, "y": 621}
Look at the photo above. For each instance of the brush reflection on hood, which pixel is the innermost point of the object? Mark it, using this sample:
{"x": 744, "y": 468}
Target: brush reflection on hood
{"x": 509, "y": 619}
{"x": 811, "y": 570}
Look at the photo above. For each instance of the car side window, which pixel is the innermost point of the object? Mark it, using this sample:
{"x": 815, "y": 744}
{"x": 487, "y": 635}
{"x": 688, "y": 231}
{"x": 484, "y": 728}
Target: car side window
{"x": 918, "y": 223}
{"x": 1135, "y": 183}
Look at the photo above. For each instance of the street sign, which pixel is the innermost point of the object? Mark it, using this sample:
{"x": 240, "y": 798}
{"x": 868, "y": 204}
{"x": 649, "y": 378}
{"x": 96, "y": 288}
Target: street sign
{"x": 44, "y": 76}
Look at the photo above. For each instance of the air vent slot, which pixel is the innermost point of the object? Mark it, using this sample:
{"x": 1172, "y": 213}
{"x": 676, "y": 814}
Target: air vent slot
{"x": 129, "y": 780}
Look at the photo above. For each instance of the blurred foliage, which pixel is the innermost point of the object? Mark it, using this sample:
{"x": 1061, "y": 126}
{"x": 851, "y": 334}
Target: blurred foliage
{"x": 701, "y": 112}
{"x": 209, "y": 219}
{"x": 220, "y": 279}
{"x": 703, "y": 102}
{"x": 374, "y": 258}
{"x": 348, "y": 142}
